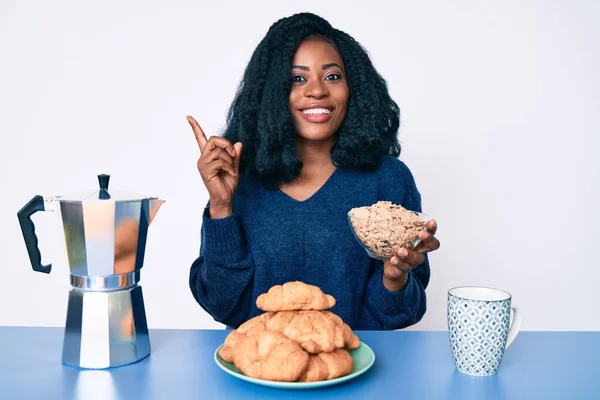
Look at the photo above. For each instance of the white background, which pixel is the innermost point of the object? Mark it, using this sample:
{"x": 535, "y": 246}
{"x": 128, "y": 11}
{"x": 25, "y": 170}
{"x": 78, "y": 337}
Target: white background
{"x": 500, "y": 108}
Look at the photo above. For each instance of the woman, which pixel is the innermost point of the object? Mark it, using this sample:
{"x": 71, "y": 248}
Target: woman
{"x": 312, "y": 133}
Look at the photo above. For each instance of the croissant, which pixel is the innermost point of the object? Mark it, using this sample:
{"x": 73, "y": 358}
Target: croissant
{"x": 256, "y": 324}
{"x": 351, "y": 341}
{"x": 271, "y": 356}
{"x": 231, "y": 342}
{"x": 294, "y": 339}
{"x": 324, "y": 366}
{"x": 315, "y": 331}
{"x": 294, "y": 296}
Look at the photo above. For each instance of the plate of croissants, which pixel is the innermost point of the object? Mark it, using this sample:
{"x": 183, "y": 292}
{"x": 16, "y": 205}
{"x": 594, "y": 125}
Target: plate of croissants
{"x": 296, "y": 343}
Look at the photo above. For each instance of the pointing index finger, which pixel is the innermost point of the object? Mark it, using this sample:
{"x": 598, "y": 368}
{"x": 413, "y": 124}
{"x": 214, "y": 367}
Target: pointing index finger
{"x": 198, "y": 132}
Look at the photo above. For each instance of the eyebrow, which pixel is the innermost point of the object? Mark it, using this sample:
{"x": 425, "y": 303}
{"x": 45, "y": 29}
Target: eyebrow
{"x": 324, "y": 66}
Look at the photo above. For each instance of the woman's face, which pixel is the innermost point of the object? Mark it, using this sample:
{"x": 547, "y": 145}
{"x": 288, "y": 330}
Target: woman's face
{"x": 319, "y": 95}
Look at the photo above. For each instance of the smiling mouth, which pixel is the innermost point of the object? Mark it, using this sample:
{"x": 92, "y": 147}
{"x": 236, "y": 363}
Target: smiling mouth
{"x": 317, "y": 115}
{"x": 316, "y": 111}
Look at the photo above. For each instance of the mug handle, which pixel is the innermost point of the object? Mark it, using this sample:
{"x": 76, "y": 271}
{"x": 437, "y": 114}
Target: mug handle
{"x": 514, "y": 327}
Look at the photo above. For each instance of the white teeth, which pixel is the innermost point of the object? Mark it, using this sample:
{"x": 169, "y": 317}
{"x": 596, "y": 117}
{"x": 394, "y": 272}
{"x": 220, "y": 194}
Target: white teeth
{"x": 316, "y": 111}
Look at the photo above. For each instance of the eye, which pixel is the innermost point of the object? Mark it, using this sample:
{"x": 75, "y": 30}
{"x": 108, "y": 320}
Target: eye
{"x": 298, "y": 78}
{"x": 333, "y": 77}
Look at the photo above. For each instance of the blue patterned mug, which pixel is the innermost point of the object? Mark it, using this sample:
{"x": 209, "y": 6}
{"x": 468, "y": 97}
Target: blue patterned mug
{"x": 480, "y": 328}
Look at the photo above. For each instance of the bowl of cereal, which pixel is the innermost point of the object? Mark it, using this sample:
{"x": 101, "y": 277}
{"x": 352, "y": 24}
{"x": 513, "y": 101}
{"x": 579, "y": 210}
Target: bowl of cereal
{"x": 384, "y": 228}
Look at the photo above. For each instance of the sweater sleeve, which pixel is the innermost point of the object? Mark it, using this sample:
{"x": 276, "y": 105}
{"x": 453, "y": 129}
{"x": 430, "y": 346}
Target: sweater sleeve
{"x": 221, "y": 277}
{"x": 397, "y": 310}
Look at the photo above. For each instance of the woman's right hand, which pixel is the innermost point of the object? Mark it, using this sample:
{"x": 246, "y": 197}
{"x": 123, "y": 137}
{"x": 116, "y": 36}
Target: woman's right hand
{"x": 219, "y": 166}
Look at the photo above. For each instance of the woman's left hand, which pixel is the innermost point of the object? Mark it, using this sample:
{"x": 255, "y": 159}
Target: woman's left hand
{"x": 395, "y": 270}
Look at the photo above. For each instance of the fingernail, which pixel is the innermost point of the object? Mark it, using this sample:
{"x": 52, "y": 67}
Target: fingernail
{"x": 402, "y": 253}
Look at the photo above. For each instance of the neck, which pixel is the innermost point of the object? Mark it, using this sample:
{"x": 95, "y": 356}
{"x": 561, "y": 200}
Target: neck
{"x": 315, "y": 156}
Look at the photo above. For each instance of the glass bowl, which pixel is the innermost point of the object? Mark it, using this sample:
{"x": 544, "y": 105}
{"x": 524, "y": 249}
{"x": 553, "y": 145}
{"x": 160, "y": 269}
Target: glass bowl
{"x": 424, "y": 217}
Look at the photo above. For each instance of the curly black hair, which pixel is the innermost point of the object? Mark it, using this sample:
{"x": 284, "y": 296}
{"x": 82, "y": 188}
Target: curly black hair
{"x": 260, "y": 117}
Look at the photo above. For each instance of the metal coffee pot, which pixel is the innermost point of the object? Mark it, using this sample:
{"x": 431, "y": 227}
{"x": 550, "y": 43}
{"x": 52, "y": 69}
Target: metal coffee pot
{"x": 105, "y": 234}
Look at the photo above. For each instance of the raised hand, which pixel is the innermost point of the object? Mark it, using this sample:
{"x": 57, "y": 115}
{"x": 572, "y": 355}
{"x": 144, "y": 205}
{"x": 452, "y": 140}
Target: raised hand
{"x": 219, "y": 166}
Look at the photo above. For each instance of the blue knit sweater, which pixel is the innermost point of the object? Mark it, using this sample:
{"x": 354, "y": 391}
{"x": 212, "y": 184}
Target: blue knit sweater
{"x": 271, "y": 239}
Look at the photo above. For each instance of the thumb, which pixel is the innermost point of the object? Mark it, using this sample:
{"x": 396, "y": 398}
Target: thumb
{"x": 238, "y": 155}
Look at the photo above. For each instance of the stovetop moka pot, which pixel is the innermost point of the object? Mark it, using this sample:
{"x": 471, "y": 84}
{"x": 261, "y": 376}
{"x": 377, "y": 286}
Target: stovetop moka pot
{"x": 105, "y": 234}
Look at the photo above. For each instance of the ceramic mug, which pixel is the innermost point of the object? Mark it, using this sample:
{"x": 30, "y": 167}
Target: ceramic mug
{"x": 480, "y": 328}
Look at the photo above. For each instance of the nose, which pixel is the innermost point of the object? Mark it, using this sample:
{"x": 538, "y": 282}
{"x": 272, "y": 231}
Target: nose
{"x": 316, "y": 89}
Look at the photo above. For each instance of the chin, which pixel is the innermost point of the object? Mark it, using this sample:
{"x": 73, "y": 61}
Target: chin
{"x": 317, "y": 133}
{"x": 316, "y": 136}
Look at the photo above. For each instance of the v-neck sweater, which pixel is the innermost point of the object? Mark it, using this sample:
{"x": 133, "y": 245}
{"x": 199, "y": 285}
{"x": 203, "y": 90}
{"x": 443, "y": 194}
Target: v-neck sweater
{"x": 271, "y": 239}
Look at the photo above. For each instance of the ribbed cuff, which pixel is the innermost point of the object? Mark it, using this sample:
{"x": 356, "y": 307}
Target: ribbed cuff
{"x": 222, "y": 239}
{"x": 393, "y": 303}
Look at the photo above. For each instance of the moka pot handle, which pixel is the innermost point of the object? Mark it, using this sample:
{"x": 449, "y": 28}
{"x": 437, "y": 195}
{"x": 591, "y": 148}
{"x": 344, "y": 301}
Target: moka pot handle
{"x": 28, "y": 228}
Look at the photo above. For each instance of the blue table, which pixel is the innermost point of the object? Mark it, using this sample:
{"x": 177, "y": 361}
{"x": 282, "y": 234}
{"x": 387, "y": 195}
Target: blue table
{"x": 409, "y": 365}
